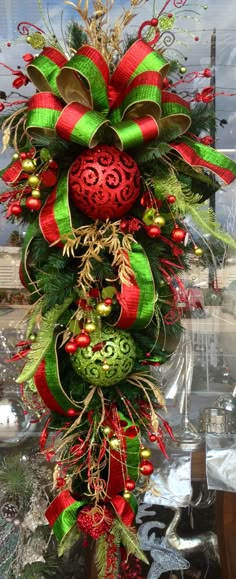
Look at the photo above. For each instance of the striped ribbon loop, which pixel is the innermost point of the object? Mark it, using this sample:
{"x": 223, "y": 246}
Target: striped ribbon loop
{"x": 127, "y": 457}
{"x": 55, "y": 216}
{"x": 89, "y": 64}
{"x": 44, "y": 70}
{"x": 48, "y": 383}
{"x": 137, "y": 300}
{"x": 44, "y": 109}
{"x": 79, "y": 124}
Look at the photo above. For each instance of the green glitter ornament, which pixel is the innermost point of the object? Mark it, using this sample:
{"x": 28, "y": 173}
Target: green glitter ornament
{"x": 166, "y": 23}
{"x": 118, "y": 351}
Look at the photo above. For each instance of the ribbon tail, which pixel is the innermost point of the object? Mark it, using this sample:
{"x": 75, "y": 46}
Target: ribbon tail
{"x": 62, "y": 514}
{"x": 198, "y": 155}
{"x": 138, "y": 298}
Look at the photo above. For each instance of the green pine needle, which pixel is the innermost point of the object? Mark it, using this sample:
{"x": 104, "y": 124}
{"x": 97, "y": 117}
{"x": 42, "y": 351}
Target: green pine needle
{"x": 14, "y": 480}
{"x": 128, "y": 537}
{"x": 40, "y": 346}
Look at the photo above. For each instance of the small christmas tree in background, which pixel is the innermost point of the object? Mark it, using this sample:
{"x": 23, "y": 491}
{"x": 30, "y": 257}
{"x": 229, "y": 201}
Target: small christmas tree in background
{"x": 107, "y": 165}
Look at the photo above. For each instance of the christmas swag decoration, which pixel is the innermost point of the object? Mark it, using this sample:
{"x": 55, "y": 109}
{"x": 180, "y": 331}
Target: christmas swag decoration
{"x": 108, "y": 162}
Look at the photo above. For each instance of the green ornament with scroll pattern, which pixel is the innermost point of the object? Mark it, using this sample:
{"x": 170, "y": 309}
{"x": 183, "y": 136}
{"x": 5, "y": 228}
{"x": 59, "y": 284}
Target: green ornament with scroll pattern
{"x": 118, "y": 351}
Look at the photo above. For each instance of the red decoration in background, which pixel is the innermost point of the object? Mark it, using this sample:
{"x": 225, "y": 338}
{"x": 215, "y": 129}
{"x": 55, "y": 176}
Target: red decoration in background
{"x": 104, "y": 182}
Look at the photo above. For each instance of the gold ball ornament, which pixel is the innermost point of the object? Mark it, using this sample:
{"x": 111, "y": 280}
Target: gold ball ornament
{"x": 106, "y": 367}
{"x": 145, "y": 453}
{"x": 35, "y": 193}
{"x": 28, "y": 166}
{"x": 90, "y": 327}
{"x": 15, "y": 156}
{"x": 33, "y": 181}
{"x": 114, "y": 443}
{"x": 103, "y": 309}
{"x": 106, "y": 430}
{"x": 198, "y": 251}
{"x": 182, "y": 70}
{"x": 28, "y": 39}
{"x": 159, "y": 221}
{"x": 126, "y": 495}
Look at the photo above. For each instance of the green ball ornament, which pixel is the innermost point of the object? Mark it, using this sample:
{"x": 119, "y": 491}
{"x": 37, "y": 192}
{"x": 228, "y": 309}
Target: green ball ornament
{"x": 119, "y": 352}
{"x": 150, "y": 215}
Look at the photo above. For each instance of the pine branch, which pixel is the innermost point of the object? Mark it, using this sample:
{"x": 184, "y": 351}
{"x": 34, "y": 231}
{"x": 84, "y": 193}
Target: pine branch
{"x": 128, "y": 538}
{"x": 205, "y": 220}
{"x": 40, "y": 346}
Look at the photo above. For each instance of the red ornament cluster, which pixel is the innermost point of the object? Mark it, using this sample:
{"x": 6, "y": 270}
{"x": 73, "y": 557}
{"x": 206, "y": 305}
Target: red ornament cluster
{"x": 83, "y": 340}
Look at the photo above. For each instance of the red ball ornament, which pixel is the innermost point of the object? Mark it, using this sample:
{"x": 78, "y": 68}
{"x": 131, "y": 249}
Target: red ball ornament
{"x": 70, "y": 347}
{"x": 129, "y": 485}
{"x": 82, "y": 340}
{"x": 196, "y": 38}
{"x": 146, "y": 467}
{"x": 23, "y": 156}
{"x": 16, "y": 209}
{"x": 71, "y": 412}
{"x": 104, "y": 182}
{"x": 171, "y": 199}
{"x": 154, "y": 22}
{"x": 108, "y": 302}
{"x": 33, "y": 204}
{"x": 153, "y": 231}
{"x": 152, "y": 438}
{"x": 178, "y": 234}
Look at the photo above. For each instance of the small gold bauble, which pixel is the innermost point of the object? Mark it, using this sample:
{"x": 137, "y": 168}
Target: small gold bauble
{"x": 90, "y": 327}
{"x": 105, "y": 367}
{"x": 35, "y": 193}
{"x": 28, "y": 39}
{"x": 159, "y": 220}
{"x": 114, "y": 443}
{"x": 33, "y": 181}
{"x": 182, "y": 69}
{"x": 145, "y": 453}
{"x": 103, "y": 309}
{"x": 28, "y": 166}
{"x": 15, "y": 156}
{"x": 126, "y": 495}
{"x": 198, "y": 251}
{"x": 106, "y": 430}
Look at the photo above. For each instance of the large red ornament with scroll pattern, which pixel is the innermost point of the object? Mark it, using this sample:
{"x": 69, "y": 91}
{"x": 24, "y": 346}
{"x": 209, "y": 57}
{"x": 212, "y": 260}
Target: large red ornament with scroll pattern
{"x": 104, "y": 182}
